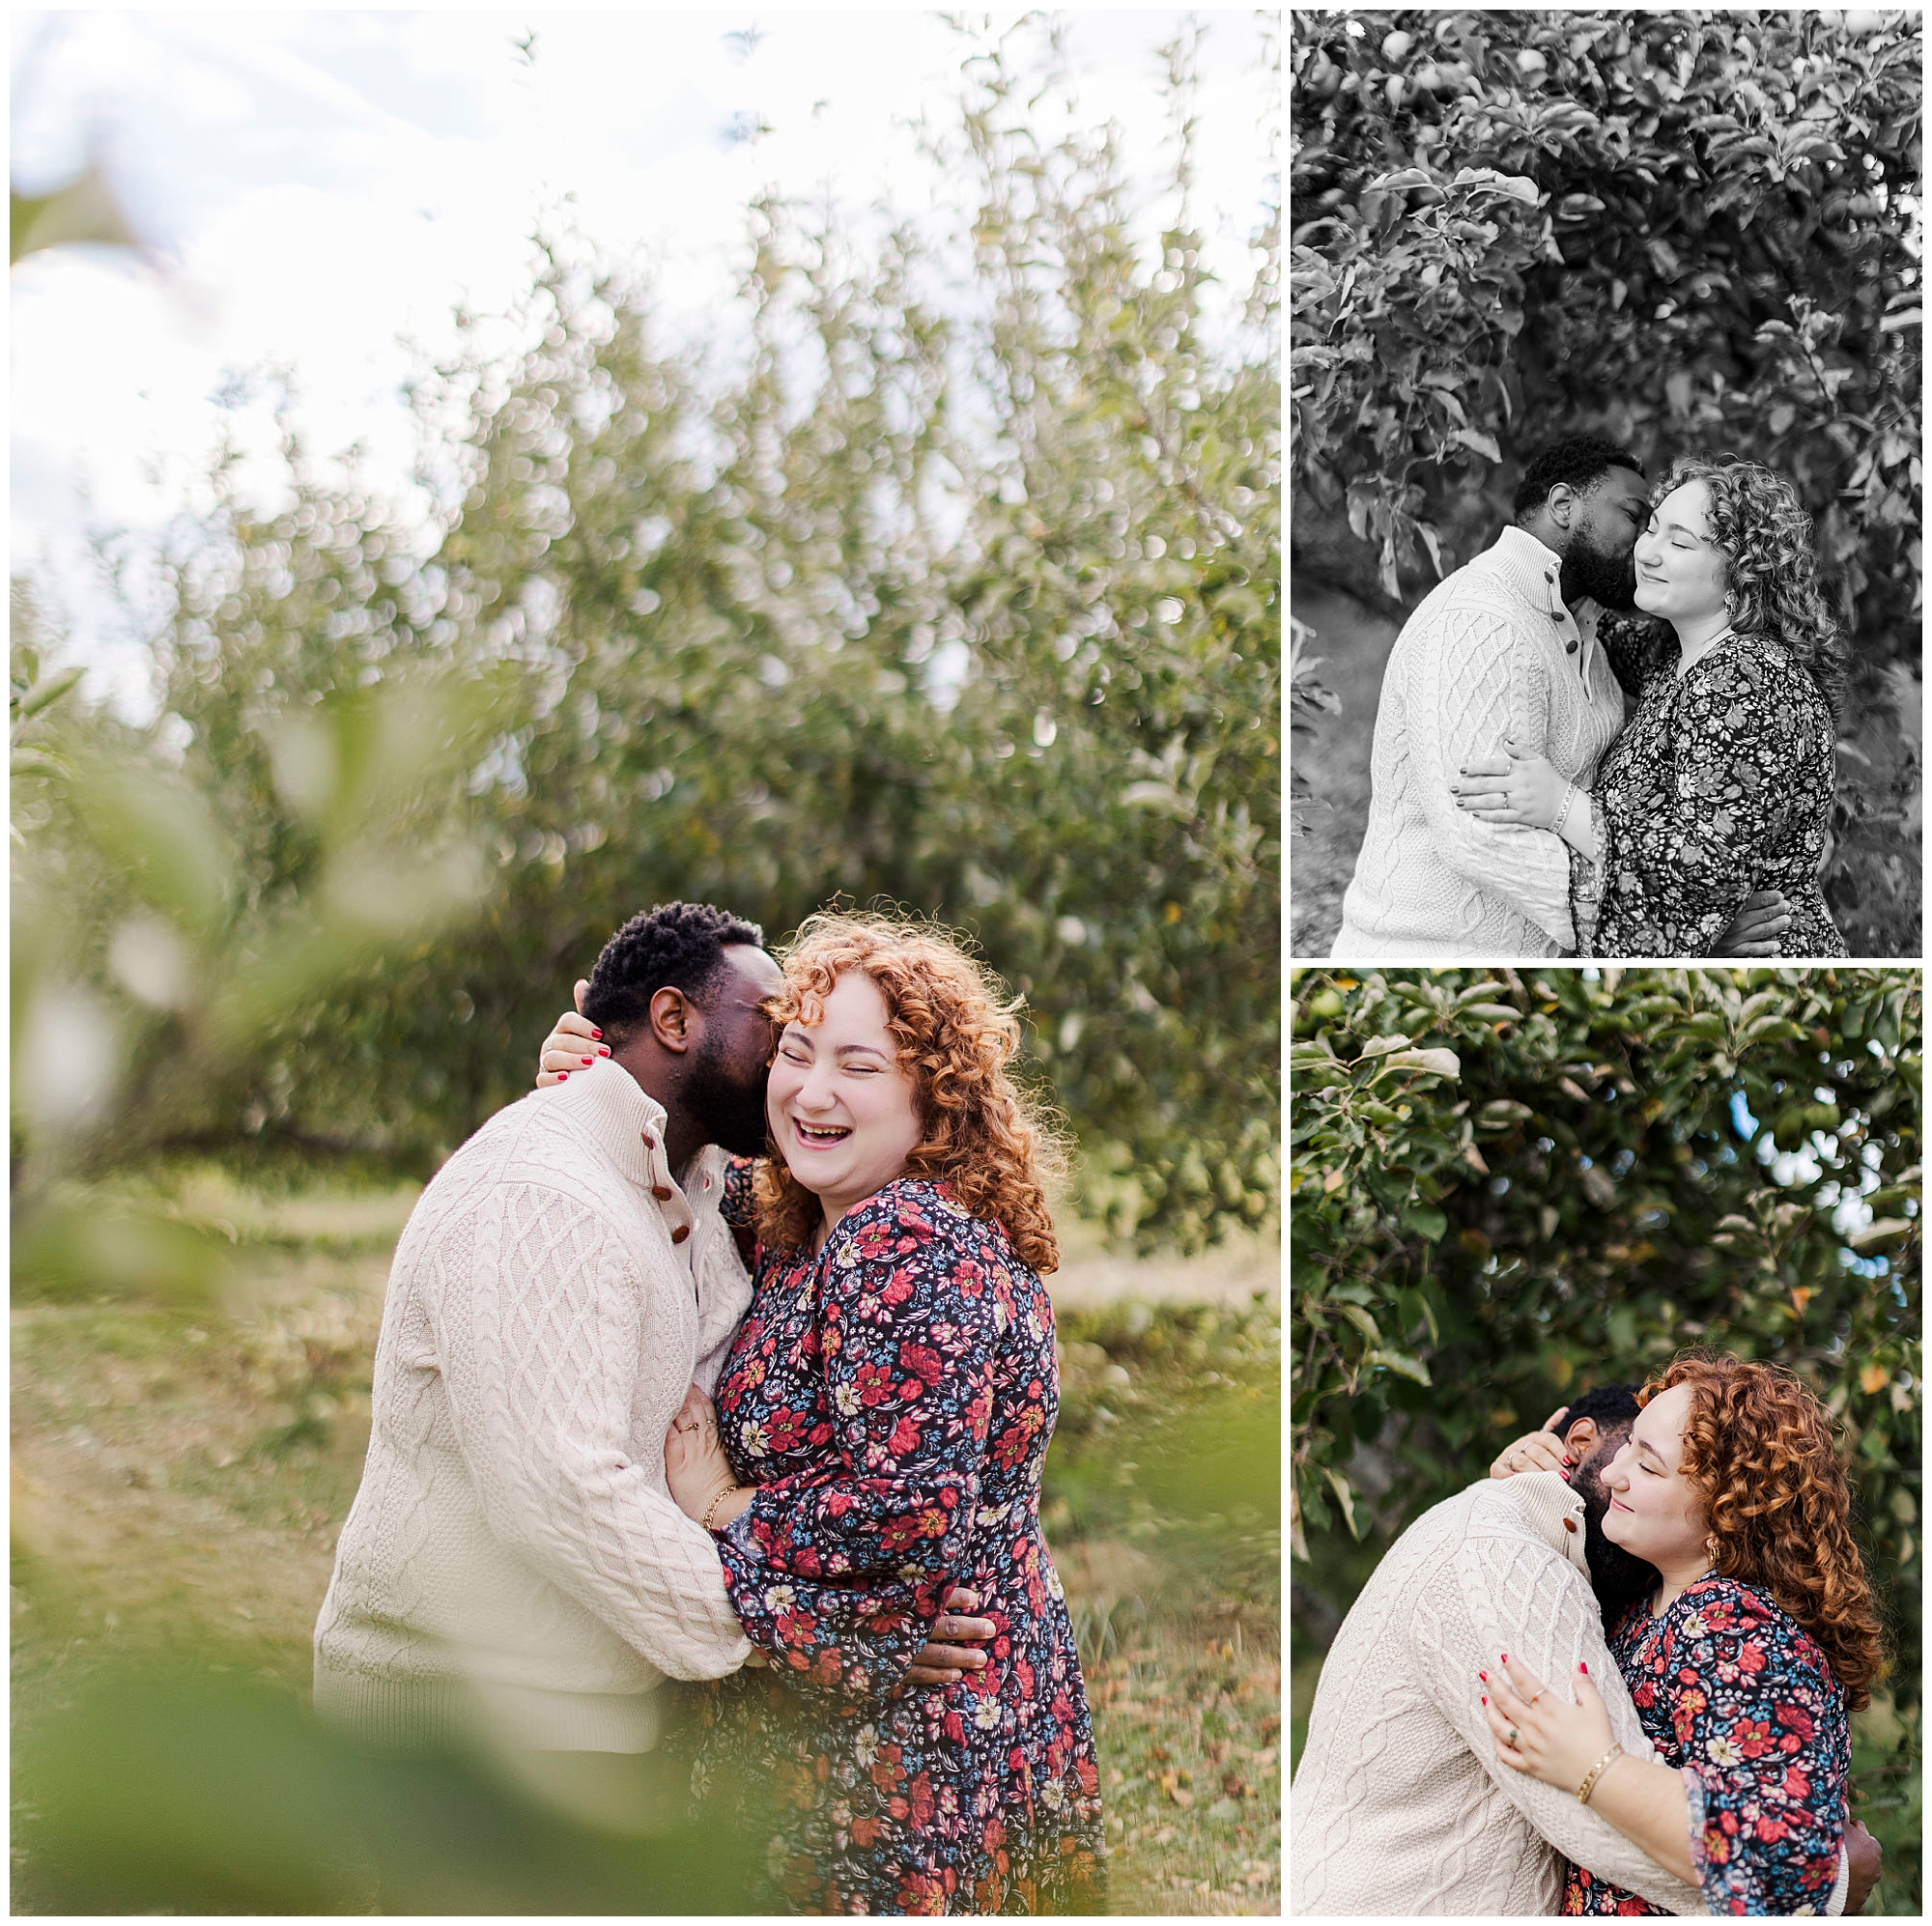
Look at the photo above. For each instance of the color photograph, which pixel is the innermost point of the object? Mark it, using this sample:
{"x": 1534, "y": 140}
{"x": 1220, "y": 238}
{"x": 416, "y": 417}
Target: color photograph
{"x": 1606, "y": 1429}
{"x": 647, "y": 986}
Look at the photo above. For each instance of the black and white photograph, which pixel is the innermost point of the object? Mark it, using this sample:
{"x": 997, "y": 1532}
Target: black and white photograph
{"x": 1605, "y": 484}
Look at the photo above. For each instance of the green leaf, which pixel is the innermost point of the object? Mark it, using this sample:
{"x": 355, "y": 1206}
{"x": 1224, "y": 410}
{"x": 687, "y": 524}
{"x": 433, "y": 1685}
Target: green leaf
{"x": 161, "y": 834}
{"x": 1346, "y": 1498}
{"x": 1402, "y": 1364}
{"x": 47, "y": 691}
{"x": 1362, "y": 1321}
{"x": 85, "y": 210}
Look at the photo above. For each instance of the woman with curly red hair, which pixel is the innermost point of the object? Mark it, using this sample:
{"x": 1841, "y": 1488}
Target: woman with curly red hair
{"x": 878, "y": 1436}
{"x": 1721, "y": 783}
{"x": 1743, "y": 1664}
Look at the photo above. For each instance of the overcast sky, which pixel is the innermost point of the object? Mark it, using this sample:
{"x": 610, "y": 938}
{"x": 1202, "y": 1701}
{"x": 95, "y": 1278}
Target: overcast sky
{"x": 317, "y": 185}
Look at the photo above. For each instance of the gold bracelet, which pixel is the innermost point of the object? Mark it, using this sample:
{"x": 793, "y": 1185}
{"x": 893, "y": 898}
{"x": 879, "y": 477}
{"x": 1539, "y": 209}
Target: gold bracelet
{"x": 1595, "y": 1772}
{"x": 718, "y": 1497}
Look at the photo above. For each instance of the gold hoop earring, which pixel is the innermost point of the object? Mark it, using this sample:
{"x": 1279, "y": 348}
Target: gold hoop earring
{"x": 1711, "y": 1547}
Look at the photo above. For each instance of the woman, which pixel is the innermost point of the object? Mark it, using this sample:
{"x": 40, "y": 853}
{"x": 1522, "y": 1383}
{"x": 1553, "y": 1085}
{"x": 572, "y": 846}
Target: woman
{"x": 1743, "y": 1664}
{"x": 1722, "y": 780}
{"x": 881, "y": 1425}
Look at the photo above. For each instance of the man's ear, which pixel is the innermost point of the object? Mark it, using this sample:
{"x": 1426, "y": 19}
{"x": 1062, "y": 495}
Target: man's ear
{"x": 674, "y": 1020}
{"x": 1581, "y": 1439}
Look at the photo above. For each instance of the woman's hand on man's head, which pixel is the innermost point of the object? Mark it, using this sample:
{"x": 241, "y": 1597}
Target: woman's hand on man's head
{"x": 574, "y": 1043}
{"x": 1536, "y": 1451}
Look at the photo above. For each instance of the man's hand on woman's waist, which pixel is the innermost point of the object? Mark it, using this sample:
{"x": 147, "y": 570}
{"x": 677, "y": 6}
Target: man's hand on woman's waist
{"x": 953, "y": 1649}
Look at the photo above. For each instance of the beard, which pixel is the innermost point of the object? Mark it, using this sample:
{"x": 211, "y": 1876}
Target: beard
{"x": 1595, "y": 572}
{"x": 1616, "y": 1576}
{"x": 730, "y": 1113}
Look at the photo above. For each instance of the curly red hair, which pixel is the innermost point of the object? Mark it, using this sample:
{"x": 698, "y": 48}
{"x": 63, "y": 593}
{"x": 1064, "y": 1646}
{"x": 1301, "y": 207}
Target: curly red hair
{"x": 996, "y": 1150}
{"x": 1758, "y": 1448}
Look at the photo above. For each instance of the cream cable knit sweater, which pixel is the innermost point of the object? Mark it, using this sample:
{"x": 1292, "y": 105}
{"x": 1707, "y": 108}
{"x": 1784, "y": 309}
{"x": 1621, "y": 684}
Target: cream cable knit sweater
{"x": 1484, "y": 657}
{"x": 1400, "y": 1806}
{"x": 514, "y": 1564}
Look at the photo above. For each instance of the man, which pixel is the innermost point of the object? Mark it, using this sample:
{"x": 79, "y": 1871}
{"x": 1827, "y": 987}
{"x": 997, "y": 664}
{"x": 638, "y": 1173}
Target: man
{"x": 1400, "y": 1806}
{"x": 1505, "y": 648}
{"x": 514, "y": 1569}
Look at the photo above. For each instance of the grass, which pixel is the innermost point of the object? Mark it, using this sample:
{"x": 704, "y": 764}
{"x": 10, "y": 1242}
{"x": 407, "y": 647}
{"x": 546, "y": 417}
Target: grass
{"x": 181, "y": 1472}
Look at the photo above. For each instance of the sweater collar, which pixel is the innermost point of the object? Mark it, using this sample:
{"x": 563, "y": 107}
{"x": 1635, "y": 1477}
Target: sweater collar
{"x": 628, "y": 1124}
{"x": 1550, "y": 1511}
{"x": 1537, "y": 574}
{"x": 1538, "y": 568}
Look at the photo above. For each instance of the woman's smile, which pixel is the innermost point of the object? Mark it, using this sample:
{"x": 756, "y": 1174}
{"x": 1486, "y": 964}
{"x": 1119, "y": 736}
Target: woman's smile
{"x": 818, "y": 1136}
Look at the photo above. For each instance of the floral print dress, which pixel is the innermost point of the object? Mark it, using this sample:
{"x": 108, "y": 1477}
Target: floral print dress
{"x": 892, "y": 1399}
{"x": 1737, "y": 1696}
{"x": 1721, "y": 783}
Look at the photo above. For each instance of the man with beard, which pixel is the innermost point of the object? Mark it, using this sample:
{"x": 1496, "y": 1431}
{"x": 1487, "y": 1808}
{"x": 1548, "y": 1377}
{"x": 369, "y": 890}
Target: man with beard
{"x": 1400, "y": 1806}
{"x": 1505, "y": 650}
{"x": 514, "y": 1570}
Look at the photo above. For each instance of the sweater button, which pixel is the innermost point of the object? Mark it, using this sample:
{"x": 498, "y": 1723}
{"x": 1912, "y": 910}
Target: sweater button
{"x": 659, "y": 1191}
{"x": 1569, "y": 648}
{"x": 1569, "y": 1525}
{"x": 651, "y": 1142}
{"x": 683, "y": 1231}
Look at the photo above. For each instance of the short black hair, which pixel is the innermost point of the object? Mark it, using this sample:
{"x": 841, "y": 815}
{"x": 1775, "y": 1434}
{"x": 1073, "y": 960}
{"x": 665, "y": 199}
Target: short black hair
{"x": 1580, "y": 460}
{"x": 1613, "y": 1406}
{"x": 676, "y": 945}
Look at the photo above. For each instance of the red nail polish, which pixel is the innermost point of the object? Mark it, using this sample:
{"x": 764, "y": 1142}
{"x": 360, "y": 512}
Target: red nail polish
{"x": 1582, "y": 1667}
{"x": 588, "y": 1061}
{"x": 603, "y": 1050}
{"x": 1486, "y": 1698}
{"x": 563, "y": 1076}
{"x": 1506, "y": 1658}
{"x": 597, "y": 1033}
{"x": 1484, "y": 1676}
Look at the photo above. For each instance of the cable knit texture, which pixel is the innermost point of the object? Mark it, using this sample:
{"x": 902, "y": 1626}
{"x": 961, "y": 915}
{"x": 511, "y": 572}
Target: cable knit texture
{"x": 1487, "y": 656}
{"x": 514, "y": 1562}
{"x": 1400, "y": 1806}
